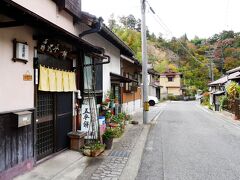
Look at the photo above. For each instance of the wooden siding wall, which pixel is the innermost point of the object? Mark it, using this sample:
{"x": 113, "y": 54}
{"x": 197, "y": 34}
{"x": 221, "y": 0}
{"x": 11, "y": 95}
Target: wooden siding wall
{"x": 16, "y": 144}
{"x": 128, "y": 97}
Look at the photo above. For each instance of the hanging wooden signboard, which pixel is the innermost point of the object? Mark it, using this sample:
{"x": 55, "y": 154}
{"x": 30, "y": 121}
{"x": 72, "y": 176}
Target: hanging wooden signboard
{"x": 54, "y": 48}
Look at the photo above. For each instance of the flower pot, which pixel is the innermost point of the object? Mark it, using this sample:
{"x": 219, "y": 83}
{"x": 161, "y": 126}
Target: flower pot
{"x": 97, "y": 152}
{"x": 113, "y": 125}
{"x": 108, "y": 142}
{"x": 87, "y": 152}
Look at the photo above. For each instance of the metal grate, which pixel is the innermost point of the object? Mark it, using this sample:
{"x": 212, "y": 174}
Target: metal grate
{"x": 45, "y": 125}
{"x": 119, "y": 154}
{"x": 44, "y": 139}
{"x": 45, "y": 104}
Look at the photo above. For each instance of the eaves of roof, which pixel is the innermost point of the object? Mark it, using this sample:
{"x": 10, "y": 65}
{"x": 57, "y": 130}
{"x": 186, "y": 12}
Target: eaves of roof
{"x": 106, "y": 33}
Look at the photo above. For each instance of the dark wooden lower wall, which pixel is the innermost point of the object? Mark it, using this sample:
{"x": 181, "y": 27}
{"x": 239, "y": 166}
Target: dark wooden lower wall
{"x": 16, "y": 145}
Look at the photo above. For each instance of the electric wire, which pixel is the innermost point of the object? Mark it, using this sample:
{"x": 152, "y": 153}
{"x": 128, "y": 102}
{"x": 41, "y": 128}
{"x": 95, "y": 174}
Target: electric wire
{"x": 166, "y": 28}
{"x": 227, "y": 14}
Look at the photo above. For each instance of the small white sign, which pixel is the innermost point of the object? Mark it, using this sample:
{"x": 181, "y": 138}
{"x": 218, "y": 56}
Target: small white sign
{"x": 89, "y": 118}
{"x": 21, "y": 51}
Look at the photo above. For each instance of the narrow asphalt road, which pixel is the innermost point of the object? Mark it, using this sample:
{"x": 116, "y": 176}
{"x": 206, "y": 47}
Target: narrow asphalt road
{"x": 188, "y": 143}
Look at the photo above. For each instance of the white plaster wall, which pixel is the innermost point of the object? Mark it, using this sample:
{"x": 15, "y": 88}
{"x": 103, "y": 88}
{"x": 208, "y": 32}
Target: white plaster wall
{"x": 151, "y": 91}
{"x": 48, "y": 9}
{"x": 131, "y": 106}
{"x": 163, "y": 92}
{"x": 15, "y": 93}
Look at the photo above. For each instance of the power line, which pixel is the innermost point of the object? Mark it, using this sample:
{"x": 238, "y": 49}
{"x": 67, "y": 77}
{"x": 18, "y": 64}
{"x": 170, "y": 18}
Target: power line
{"x": 227, "y": 14}
{"x": 166, "y": 28}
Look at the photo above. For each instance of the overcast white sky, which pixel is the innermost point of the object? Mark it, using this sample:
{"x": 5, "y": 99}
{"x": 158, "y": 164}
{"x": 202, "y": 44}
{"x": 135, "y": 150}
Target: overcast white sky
{"x": 193, "y": 17}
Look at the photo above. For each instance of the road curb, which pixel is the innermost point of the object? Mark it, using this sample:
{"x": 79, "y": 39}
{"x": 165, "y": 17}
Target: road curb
{"x": 131, "y": 169}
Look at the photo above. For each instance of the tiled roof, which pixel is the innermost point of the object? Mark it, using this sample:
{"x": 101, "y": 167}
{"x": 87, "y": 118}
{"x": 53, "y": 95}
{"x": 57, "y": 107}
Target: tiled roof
{"x": 224, "y": 79}
{"x": 233, "y": 70}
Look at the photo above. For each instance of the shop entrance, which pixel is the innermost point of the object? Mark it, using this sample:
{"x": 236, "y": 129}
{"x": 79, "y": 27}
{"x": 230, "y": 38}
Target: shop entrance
{"x": 63, "y": 120}
{"x": 54, "y": 106}
{"x": 54, "y": 121}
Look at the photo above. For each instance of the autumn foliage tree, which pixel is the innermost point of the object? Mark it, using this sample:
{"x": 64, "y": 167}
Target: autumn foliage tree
{"x": 196, "y": 71}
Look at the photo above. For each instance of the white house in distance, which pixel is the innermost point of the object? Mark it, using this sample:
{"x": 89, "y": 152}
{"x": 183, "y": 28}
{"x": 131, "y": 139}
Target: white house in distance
{"x": 153, "y": 82}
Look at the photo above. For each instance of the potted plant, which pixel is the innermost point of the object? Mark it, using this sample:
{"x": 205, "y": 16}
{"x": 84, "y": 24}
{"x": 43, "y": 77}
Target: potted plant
{"x": 108, "y": 116}
{"x": 122, "y": 116}
{"x": 105, "y": 105}
{"x": 108, "y": 138}
{"x": 122, "y": 119}
{"x": 93, "y": 149}
{"x": 115, "y": 121}
{"x": 117, "y": 132}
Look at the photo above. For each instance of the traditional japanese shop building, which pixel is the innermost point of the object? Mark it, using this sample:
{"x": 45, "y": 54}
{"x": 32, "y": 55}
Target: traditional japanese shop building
{"x": 111, "y": 76}
{"x": 41, "y": 71}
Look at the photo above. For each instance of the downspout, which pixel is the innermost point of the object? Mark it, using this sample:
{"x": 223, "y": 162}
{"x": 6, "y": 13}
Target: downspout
{"x": 98, "y": 28}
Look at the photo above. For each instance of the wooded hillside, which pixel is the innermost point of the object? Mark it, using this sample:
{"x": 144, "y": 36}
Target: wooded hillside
{"x": 191, "y": 57}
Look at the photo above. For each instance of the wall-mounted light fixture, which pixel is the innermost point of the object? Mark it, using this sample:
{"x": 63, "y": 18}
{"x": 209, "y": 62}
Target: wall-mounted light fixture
{"x": 20, "y": 51}
{"x": 36, "y": 66}
{"x": 74, "y": 64}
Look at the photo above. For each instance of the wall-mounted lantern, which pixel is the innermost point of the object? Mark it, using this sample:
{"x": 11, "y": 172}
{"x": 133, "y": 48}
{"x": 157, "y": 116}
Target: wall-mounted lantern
{"x": 20, "y": 51}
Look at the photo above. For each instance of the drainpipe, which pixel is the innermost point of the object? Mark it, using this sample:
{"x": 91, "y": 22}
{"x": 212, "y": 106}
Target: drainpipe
{"x": 98, "y": 28}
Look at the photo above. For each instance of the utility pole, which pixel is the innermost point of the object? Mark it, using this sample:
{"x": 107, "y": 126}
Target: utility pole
{"x": 210, "y": 56}
{"x": 144, "y": 62}
{"x": 211, "y": 70}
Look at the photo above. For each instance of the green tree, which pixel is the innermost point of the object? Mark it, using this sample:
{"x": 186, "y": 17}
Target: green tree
{"x": 112, "y": 24}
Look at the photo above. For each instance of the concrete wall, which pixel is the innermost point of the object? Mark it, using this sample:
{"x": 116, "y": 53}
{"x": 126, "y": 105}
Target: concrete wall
{"x": 15, "y": 93}
{"x": 132, "y": 106}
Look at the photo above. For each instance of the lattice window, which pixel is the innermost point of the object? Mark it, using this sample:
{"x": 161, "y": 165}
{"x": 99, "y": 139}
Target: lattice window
{"x": 44, "y": 139}
{"x": 45, "y": 104}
